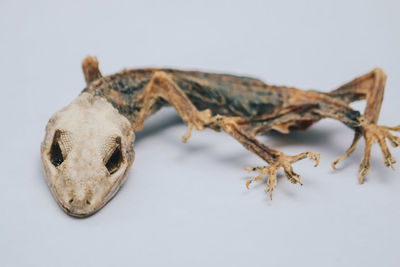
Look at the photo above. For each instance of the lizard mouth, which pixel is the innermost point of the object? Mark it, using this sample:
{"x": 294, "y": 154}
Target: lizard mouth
{"x": 79, "y": 214}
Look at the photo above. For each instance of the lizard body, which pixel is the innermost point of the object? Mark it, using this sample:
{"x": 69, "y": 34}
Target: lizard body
{"x": 223, "y": 94}
{"x": 88, "y": 147}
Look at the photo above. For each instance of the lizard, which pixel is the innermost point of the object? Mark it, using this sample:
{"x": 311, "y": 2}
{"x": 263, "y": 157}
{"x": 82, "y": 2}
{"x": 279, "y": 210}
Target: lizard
{"x": 88, "y": 145}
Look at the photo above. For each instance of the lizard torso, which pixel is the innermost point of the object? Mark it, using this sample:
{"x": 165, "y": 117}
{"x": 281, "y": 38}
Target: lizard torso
{"x": 223, "y": 94}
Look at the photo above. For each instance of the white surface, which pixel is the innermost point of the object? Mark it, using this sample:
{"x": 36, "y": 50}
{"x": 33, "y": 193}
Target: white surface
{"x": 186, "y": 204}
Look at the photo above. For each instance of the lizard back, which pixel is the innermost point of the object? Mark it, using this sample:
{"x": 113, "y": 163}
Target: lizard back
{"x": 223, "y": 94}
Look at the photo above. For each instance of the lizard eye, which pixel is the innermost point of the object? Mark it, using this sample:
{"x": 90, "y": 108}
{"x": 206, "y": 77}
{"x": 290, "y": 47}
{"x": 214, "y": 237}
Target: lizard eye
{"x": 56, "y": 156}
{"x": 114, "y": 161}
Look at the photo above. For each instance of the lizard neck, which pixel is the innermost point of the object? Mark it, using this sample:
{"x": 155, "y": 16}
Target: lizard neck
{"x": 124, "y": 90}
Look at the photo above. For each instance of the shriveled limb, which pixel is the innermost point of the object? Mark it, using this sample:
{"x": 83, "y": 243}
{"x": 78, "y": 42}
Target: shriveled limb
{"x": 161, "y": 86}
{"x": 371, "y": 87}
{"x": 350, "y": 150}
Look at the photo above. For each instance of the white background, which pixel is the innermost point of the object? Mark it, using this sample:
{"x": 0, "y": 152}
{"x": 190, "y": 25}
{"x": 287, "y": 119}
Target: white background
{"x": 186, "y": 204}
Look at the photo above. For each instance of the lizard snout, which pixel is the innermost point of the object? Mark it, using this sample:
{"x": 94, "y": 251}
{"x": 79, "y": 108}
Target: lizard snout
{"x": 80, "y": 206}
{"x": 79, "y": 203}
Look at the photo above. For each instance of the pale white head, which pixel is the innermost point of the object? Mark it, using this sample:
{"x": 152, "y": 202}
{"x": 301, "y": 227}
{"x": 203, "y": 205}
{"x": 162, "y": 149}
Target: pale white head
{"x": 86, "y": 153}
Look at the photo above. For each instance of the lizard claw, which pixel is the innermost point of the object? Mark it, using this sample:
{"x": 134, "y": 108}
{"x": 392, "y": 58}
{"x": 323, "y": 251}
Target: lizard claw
{"x": 263, "y": 172}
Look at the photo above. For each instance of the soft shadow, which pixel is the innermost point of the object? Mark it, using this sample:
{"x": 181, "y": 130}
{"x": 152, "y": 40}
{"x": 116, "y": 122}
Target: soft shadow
{"x": 313, "y": 137}
{"x": 154, "y": 128}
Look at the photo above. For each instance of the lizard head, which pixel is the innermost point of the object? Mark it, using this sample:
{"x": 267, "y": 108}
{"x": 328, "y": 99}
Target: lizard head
{"x": 86, "y": 153}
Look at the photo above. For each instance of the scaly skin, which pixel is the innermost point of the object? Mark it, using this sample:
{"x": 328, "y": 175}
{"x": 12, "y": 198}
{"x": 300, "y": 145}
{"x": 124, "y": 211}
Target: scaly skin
{"x": 243, "y": 107}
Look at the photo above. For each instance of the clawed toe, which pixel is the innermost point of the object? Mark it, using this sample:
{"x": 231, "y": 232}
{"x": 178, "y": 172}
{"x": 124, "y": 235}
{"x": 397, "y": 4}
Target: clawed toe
{"x": 266, "y": 170}
{"x": 364, "y": 170}
{"x": 349, "y": 151}
{"x": 314, "y": 157}
{"x": 293, "y": 177}
{"x": 271, "y": 181}
{"x": 263, "y": 172}
{"x": 188, "y": 134}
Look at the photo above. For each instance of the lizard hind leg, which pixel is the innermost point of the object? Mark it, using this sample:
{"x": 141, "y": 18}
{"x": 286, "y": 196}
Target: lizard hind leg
{"x": 370, "y": 87}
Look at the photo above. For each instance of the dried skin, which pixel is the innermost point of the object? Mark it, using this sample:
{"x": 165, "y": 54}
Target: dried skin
{"x": 246, "y": 107}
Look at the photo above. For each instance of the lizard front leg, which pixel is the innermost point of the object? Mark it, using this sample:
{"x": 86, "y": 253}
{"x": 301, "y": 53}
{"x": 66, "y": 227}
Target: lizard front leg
{"x": 162, "y": 86}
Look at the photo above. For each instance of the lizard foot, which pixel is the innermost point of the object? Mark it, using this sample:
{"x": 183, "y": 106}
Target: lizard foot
{"x": 198, "y": 121}
{"x": 373, "y": 134}
{"x": 285, "y": 162}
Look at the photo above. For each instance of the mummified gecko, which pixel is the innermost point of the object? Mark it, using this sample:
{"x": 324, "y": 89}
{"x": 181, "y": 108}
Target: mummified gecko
{"x": 88, "y": 147}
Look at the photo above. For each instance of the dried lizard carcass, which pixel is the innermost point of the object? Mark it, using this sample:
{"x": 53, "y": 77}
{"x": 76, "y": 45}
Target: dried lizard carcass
{"x": 88, "y": 147}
